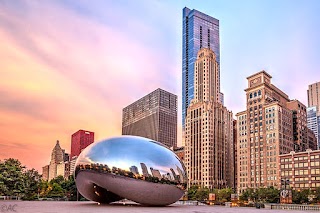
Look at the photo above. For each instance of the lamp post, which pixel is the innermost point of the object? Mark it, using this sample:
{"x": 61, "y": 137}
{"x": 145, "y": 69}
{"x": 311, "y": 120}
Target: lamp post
{"x": 285, "y": 194}
{"x": 285, "y": 182}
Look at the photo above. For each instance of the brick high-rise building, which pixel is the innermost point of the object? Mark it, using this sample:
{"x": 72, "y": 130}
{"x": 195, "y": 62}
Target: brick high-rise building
{"x": 299, "y": 125}
{"x": 79, "y": 141}
{"x": 264, "y": 132}
{"x": 153, "y": 116}
{"x": 208, "y": 128}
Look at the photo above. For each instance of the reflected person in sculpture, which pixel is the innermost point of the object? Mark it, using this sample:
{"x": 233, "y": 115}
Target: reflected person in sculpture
{"x": 131, "y": 167}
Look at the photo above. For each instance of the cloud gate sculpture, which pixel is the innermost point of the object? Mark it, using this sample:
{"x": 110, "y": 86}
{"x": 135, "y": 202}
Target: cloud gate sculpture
{"x": 130, "y": 167}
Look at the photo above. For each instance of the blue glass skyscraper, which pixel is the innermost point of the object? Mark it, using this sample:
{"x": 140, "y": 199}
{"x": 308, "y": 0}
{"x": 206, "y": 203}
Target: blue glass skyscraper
{"x": 199, "y": 30}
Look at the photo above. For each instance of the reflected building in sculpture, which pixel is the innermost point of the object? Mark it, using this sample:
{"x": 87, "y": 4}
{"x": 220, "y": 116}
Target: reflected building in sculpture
{"x": 154, "y": 116}
{"x": 134, "y": 170}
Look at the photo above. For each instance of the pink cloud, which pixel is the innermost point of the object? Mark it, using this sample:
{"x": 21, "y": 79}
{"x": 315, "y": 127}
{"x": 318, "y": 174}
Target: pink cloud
{"x": 63, "y": 72}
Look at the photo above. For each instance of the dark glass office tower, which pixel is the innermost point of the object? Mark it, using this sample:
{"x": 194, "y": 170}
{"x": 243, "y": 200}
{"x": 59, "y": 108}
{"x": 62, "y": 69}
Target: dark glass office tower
{"x": 199, "y": 30}
{"x": 153, "y": 116}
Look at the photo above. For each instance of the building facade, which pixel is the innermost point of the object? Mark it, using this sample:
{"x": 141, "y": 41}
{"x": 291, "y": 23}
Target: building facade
{"x": 57, "y": 156}
{"x": 312, "y": 140}
{"x": 235, "y": 141}
{"x": 314, "y": 96}
{"x": 79, "y": 141}
{"x": 72, "y": 165}
{"x": 299, "y": 125}
{"x": 154, "y": 116}
{"x": 208, "y": 128}
{"x": 45, "y": 172}
{"x": 313, "y": 122}
{"x": 302, "y": 169}
{"x": 264, "y": 131}
{"x": 199, "y": 31}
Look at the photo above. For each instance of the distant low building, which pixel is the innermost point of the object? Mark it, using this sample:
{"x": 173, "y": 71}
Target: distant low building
{"x": 73, "y": 164}
{"x": 302, "y": 169}
{"x": 45, "y": 172}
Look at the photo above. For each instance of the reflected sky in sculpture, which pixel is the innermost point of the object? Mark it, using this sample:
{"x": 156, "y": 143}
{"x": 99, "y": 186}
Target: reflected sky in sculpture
{"x": 132, "y": 163}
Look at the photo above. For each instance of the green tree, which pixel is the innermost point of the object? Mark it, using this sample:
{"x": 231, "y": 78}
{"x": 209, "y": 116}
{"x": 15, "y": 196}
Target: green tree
{"x": 192, "y": 191}
{"x": 70, "y": 188}
{"x": 248, "y": 194}
{"x": 224, "y": 195}
{"x": 31, "y": 183}
{"x": 44, "y": 188}
{"x": 11, "y": 177}
{"x": 300, "y": 197}
{"x": 59, "y": 180}
{"x": 56, "y": 191}
{"x": 317, "y": 195}
{"x": 268, "y": 195}
{"x": 202, "y": 194}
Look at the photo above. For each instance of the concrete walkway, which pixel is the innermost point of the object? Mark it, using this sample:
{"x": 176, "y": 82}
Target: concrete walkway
{"x": 91, "y": 207}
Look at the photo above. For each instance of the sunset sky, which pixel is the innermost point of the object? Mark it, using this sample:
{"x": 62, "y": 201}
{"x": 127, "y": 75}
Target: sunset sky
{"x": 70, "y": 65}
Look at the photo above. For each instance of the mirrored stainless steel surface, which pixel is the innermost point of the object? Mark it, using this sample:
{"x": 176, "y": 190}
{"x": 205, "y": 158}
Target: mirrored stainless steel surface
{"x": 131, "y": 167}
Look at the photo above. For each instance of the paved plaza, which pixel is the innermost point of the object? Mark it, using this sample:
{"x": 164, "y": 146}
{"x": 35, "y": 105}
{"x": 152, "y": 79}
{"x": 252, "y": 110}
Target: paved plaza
{"x": 91, "y": 207}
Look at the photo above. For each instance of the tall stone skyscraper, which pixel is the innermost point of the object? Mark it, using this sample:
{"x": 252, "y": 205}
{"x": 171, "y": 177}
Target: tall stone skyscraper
{"x": 57, "y": 156}
{"x": 208, "y": 128}
{"x": 199, "y": 31}
{"x": 153, "y": 116}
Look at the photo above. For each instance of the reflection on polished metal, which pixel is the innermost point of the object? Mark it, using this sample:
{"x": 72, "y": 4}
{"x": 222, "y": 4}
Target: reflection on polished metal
{"x": 130, "y": 167}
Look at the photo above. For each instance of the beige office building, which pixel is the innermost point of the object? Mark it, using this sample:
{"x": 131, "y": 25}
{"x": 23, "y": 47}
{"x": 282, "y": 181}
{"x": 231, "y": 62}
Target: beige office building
{"x": 264, "y": 132}
{"x": 57, "y": 156}
{"x": 208, "y": 128}
{"x": 314, "y": 96}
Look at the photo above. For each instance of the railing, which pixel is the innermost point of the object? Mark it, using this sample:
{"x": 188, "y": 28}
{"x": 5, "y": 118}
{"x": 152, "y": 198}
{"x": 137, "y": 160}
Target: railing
{"x": 9, "y": 198}
{"x": 295, "y": 207}
{"x": 189, "y": 203}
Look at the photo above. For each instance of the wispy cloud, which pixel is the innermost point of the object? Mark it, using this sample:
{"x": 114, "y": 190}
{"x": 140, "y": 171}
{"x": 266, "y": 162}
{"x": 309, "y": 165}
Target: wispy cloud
{"x": 64, "y": 71}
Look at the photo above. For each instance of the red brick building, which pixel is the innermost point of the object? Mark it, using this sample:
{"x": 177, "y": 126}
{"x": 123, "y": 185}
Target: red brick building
{"x": 79, "y": 141}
